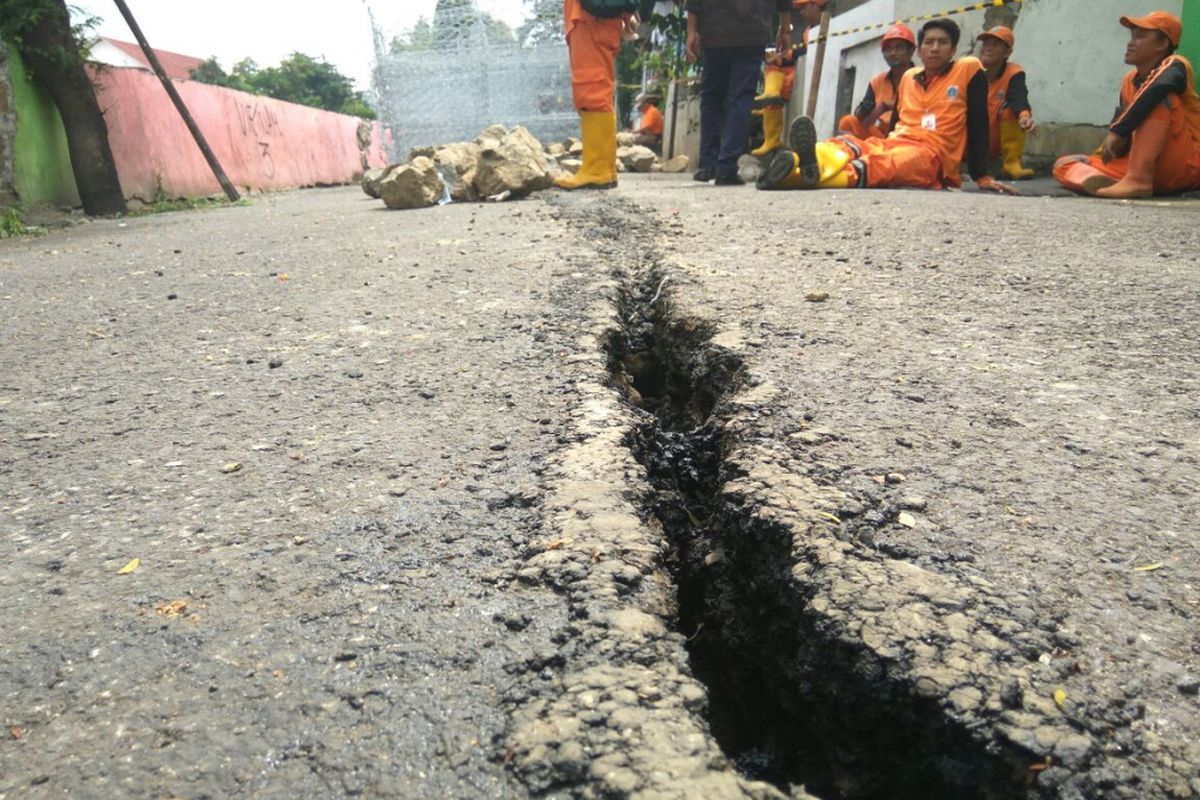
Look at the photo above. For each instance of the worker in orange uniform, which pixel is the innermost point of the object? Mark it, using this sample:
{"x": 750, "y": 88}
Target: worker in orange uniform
{"x": 1008, "y": 101}
{"x": 1153, "y": 143}
{"x": 593, "y": 43}
{"x": 941, "y": 114}
{"x": 649, "y": 131}
{"x": 875, "y": 117}
{"x": 779, "y": 78}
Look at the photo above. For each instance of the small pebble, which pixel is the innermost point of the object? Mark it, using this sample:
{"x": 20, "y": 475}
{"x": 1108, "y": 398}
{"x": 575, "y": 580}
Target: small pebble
{"x": 1189, "y": 685}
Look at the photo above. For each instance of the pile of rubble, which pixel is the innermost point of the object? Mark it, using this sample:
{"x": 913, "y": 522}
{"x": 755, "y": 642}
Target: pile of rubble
{"x": 499, "y": 164}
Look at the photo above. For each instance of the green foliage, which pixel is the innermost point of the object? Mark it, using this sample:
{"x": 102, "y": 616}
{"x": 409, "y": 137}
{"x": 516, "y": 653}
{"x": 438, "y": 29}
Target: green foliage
{"x": 299, "y": 78}
{"x": 455, "y": 22}
{"x": 12, "y": 226}
{"x": 163, "y": 204}
{"x": 545, "y": 23}
{"x": 18, "y": 17}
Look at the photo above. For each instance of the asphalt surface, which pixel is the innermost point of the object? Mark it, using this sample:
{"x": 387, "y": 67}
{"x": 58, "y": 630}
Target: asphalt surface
{"x": 393, "y": 542}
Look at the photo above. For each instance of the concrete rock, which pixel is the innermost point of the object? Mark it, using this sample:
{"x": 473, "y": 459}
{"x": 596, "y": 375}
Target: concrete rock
{"x": 492, "y": 132}
{"x": 516, "y": 164}
{"x": 571, "y": 165}
{"x": 414, "y": 185}
{"x": 676, "y": 165}
{"x": 556, "y": 149}
{"x": 419, "y": 152}
{"x": 626, "y": 139}
{"x": 574, "y": 147}
{"x": 749, "y": 168}
{"x": 372, "y": 177}
{"x": 463, "y": 159}
{"x": 636, "y": 158}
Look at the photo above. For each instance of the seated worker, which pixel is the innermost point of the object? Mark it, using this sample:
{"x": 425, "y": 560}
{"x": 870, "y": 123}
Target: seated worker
{"x": 1008, "y": 101}
{"x": 650, "y": 130}
{"x": 941, "y": 114}
{"x": 779, "y": 78}
{"x": 874, "y": 117}
{"x": 1153, "y": 143}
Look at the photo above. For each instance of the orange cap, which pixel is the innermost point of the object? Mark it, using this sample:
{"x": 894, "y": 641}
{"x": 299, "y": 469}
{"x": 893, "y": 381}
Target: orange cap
{"x": 803, "y": 3}
{"x": 1000, "y": 32}
{"x": 1161, "y": 21}
{"x": 901, "y": 33}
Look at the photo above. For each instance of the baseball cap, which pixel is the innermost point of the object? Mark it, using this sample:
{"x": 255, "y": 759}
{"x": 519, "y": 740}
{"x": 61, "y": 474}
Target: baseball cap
{"x": 1000, "y": 32}
{"x": 1161, "y": 21}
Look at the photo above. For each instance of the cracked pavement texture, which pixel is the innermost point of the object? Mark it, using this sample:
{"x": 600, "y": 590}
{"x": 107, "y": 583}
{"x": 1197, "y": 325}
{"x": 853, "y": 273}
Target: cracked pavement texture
{"x": 342, "y": 615}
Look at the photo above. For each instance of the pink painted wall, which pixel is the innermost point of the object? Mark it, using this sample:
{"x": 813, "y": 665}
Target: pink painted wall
{"x": 260, "y": 142}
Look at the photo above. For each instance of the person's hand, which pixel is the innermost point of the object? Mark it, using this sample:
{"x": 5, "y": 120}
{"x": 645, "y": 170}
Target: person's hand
{"x": 989, "y": 184}
{"x": 1114, "y": 146}
{"x": 783, "y": 40}
{"x": 1027, "y": 123}
{"x": 629, "y": 27}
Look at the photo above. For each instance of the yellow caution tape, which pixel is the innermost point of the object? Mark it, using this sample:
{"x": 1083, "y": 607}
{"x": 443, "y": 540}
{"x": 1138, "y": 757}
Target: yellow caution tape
{"x": 875, "y": 26}
{"x": 920, "y": 18}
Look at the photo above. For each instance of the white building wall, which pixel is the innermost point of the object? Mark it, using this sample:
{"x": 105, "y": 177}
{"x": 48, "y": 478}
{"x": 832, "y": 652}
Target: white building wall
{"x": 1073, "y": 54}
{"x": 861, "y": 50}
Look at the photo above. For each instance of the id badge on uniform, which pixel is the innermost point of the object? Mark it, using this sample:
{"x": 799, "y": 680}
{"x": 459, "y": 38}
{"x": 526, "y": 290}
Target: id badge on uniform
{"x": 929, "y": 122}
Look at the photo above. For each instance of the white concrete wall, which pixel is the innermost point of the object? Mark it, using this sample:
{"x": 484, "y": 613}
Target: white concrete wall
{"x": 861, "y": 50}
{"x": 1073, "y": 54}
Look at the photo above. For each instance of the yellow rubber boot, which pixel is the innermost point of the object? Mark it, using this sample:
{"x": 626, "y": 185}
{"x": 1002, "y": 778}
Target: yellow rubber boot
{"x": 833, "y": 161}
{"x": 1149, "y": 140}
{"x": 598, "y": 129}
{"x": 1012, "y": 146}
{"x": 772, "y": 117}
{"x": 772, "y": 95}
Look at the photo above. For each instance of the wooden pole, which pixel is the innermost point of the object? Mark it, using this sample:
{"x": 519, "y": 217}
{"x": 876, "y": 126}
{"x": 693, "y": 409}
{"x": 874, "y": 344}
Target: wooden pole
{"x": 213, "y": 164}
{"x": 814, "y": 86}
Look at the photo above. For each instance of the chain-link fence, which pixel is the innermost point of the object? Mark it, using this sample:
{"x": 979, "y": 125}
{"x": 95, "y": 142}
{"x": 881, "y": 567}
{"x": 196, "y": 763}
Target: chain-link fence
{"x": 467, "y": 66}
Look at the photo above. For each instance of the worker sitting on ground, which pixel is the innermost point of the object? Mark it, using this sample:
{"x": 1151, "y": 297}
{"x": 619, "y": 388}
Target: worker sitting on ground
{"x": 1153, "y": 143}
{"x": 941, "y": 113}
{"x": 649, "y": 131}
{"x": 875, "y": 117}
{"x": 1008, "y": 101}
{"x": 779, "y": 78}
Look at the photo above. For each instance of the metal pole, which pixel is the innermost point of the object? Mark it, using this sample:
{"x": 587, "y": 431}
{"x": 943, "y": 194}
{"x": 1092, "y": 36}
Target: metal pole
{"x": 213, "y": 164}
{"x": 814, "y": 86}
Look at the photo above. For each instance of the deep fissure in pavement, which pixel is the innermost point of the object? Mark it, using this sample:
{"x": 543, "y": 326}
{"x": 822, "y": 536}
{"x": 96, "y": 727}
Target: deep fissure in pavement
{"x": 791, "y": 702}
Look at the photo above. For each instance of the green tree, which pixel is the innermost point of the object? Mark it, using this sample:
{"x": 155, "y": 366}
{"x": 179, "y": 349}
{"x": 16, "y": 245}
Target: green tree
{"x": 52, "y": 48}
{"x": 545, "y": 23}
{"x": 299, "y": 78}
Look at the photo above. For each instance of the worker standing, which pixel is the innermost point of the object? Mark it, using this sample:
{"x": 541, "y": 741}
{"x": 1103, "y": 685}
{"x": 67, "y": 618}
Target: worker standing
{"x": 593, "y": 42}
{"x": 1008, "y": 101}
{"x": 730, "y": 36}
{"x": 942, "y": 115}
{"x": 1153, "y": 143}
{"x": 875, "y": 116}
{"x": 779, "y": 78}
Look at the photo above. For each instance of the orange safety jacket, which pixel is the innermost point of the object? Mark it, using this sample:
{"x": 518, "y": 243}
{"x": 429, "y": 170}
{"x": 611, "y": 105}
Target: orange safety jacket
{"x": 652, "y": 121}
{"x": 948, "y": 114}
{"x": 1004, "y": 95}
{"x": 1171, "y": 83}
{"x": 882, "y": 89}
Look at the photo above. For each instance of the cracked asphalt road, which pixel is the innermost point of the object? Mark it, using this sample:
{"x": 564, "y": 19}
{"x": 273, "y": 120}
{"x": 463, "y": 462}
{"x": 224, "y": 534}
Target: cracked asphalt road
{"x": 328, "y": 433}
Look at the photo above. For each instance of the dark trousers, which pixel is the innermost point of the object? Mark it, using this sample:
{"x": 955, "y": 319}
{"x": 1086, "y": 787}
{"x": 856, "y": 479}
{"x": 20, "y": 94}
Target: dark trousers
{"x": 727, "y": 87}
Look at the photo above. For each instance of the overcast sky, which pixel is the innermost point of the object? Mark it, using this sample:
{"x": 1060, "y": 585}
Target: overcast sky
{"x": 268, "y": 30}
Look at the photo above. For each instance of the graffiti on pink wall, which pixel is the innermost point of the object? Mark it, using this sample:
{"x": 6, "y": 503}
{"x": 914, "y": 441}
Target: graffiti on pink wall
{"x": 260, "y": 142}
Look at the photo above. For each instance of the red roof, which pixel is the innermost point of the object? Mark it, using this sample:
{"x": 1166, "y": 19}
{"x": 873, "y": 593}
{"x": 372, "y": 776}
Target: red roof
{"x": 177, "y": 66}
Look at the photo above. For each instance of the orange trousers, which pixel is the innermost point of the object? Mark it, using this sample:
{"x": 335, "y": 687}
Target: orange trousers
{"x": 593, "y": 44}
{"x": 1177, "y": 169}
{"x": 892, "y": 163}
{"x": 854, "y": 126}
